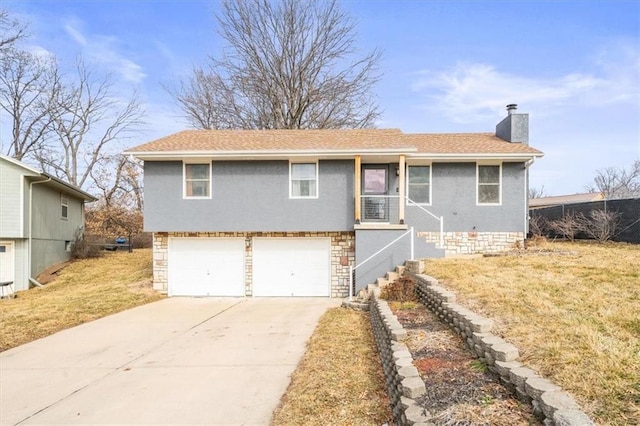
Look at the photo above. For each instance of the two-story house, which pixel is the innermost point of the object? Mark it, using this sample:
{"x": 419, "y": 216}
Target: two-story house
{"x": 40, "y": 216}
{"x": 294, "y": 212}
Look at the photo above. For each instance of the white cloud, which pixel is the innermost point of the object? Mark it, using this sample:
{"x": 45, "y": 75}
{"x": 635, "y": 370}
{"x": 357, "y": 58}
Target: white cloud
{"x": 473, "y": 92}
{"x": 105, "y": 50}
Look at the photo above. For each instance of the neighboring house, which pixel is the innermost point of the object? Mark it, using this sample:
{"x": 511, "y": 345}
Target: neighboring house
{"x": 290, "y": 212}
{"x": 40, "y": 217}
{"x": 542, "y": 202}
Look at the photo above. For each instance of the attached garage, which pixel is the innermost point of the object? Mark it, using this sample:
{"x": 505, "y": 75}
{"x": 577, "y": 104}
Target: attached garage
{"x": 291, "y": 266}
{"x": 206, "y": 266}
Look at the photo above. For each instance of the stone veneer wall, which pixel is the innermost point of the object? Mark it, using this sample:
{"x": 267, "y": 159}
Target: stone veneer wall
{"x": 550, "y": 403}
{"x": 342, "y": 256}
{"x": 476, "y": 242}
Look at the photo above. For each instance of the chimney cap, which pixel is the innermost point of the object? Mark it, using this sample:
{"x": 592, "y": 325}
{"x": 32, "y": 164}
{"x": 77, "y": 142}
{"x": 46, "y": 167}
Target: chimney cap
{"x": 512, "y": 107}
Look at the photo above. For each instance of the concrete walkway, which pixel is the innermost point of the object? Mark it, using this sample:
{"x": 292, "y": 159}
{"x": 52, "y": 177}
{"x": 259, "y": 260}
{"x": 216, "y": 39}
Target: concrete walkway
{"x": 177, "y": 361}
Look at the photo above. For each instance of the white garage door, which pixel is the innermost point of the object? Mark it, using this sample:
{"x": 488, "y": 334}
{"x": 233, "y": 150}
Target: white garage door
{"x": 206, "y": 267}
{"x": 291, "y": 266}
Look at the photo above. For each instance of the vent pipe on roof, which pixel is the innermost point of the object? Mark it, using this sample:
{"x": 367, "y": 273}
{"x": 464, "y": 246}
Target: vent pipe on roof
{"x": 514, "y": 127}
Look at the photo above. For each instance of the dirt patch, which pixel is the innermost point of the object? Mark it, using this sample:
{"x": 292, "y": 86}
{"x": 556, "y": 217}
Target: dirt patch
{"x": 460, "y": 388}
{"x": 51, "y": 273}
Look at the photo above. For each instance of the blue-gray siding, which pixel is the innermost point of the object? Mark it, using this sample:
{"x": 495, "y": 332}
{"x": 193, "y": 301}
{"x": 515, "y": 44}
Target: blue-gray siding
{"x": 454, "y": 198}
{"x": 248, "y": 196}
{"x": 369, "y": 241}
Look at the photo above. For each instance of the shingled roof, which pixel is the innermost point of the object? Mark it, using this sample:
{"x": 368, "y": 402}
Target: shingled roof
{"x": 352, "y": 140}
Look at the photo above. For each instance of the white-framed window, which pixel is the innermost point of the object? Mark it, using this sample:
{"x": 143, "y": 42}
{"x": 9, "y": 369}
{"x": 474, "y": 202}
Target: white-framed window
{"x": 197, "y": 180}
{"x": 64, "y": 206}
{"x": 419, "y": 184}
{"x": 303, "y": 180}
{"x": 489, "y": 184}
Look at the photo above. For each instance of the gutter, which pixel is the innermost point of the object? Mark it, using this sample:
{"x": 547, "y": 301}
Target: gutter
{"x": 29, "y": 254}
{"x": 527, "y": 164}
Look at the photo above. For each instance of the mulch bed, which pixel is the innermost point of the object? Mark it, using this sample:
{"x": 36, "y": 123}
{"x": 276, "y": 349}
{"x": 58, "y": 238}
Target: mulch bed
{"x": 460, "y": 389}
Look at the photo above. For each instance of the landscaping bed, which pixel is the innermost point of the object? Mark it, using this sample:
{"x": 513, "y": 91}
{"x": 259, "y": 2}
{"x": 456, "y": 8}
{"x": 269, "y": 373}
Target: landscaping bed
{"x": 459, "y": 388}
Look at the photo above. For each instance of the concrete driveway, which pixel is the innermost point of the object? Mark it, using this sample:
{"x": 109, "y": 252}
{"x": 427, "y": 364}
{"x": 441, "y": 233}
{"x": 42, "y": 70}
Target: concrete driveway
{"x": 177, "y": 361}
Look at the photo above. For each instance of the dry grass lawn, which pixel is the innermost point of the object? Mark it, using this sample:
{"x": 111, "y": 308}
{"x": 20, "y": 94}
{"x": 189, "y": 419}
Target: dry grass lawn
{"x": 85, "y": 290}
{"x": 575, "y": 315}
{"x": 339, "y": 380}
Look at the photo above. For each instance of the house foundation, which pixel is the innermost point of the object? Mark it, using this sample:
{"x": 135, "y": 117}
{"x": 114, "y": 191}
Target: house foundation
{"x": 476, "y": 242}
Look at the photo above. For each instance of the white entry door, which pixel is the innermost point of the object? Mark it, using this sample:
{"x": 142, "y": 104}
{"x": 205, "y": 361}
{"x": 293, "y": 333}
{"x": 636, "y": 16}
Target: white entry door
{"x": 7, "y": 266}
{"x": 291, "y": 266}
{"x": 206, "y": 266}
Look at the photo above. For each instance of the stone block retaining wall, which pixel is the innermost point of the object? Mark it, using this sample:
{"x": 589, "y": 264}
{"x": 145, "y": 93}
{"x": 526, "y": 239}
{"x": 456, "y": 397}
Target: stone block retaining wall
{"x": 403, "y": 381}
{"x": 550, "y": 403}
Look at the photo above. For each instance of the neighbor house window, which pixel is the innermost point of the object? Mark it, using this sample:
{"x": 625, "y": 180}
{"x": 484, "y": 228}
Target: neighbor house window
{"x": 197, "y": 180}
{"x": 303, "y": 180}
{"x": 489, "y": 178}
{"x": 419, "y": 184}
{"x": 64, "y": 204}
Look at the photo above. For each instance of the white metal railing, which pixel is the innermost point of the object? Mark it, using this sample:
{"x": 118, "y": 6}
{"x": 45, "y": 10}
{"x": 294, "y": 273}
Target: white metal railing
{"x": 439, "y": 219}
{"x": 352, "y": 269}
{"x": 380, "y": 208}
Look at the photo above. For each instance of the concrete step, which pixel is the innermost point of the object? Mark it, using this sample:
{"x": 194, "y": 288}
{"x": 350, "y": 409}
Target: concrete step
{"x": 371, "y": 287}
{"x": 381, "y": 282}
{"x": 392, "y": 276}
{"x": 400, "y": 270}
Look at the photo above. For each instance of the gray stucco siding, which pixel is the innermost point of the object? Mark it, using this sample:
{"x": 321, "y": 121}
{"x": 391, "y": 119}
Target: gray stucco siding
{"x": 248, "y": 196}
{"x": 454, "y": 198}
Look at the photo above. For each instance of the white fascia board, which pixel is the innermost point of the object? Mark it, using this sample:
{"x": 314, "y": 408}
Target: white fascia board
{"x": 473, "y": 157}
{"x": 176, "y": 155}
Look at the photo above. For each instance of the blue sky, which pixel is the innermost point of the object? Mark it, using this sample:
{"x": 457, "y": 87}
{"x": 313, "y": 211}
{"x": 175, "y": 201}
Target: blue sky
{"x": 448, "y": 66}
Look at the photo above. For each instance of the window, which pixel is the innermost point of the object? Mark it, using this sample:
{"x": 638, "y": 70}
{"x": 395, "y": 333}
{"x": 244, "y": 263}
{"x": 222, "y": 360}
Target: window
{"x": 304, "y": 180}
{"x": 419, "y": 184}
{"x": 67, "y": 246}
{"x": 197, "y": 180}
{"x": 64, "y": 204}
{"x": 489, "y": 184}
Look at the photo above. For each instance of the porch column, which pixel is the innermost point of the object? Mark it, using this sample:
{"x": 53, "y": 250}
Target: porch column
{"x": 401, "y": 191}
{"x": 356, "y": 189}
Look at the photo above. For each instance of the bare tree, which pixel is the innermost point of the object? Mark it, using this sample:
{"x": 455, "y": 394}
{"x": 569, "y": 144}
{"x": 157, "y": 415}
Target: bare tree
{"x": 28, "y": 86}
{"x": 617, "y": 182}
{"x": 11, "y": 30}
{"x": 537, "y": 192}
{"x": 86, "y": 118}
{"x": 289, "y": 64}
{"x": 568, "y": 227}
{"x": 119, "y": 182}
{"x": 600, "y": 225}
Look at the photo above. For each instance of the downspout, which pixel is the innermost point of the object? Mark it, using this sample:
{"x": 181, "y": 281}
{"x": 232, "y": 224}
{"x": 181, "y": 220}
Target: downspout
{"x": 527, "y": 164}
{"x": 32, "y": 280}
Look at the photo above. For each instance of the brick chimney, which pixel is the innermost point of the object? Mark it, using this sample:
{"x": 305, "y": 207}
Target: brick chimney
{"x": 514, "y": 127}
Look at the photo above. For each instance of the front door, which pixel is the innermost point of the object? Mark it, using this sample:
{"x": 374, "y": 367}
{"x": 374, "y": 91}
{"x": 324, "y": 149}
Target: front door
{"x": 375, "y": 183}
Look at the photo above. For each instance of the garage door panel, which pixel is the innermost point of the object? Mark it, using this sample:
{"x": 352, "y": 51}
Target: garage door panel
{"x": 291, "y": 266}
{"x": 206, "y": 267}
